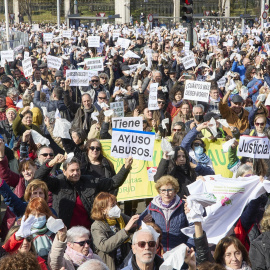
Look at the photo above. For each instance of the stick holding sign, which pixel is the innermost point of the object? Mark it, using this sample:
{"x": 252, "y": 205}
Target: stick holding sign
{"x": 197, "y": 90}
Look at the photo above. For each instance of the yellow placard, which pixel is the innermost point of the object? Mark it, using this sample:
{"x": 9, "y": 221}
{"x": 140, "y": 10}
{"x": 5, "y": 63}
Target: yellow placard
{"x": 137, "y": 185}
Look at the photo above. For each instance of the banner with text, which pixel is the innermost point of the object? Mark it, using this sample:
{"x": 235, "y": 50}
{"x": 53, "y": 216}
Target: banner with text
{"x": 94, "y": 63}
{"x": 54, "y": 62}
{"x": 78, "y": 77}
{"x": 197, "y": 90}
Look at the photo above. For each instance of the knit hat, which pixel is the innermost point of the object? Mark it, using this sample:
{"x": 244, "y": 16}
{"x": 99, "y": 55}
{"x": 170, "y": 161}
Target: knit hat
{"x": 11, "y": 109}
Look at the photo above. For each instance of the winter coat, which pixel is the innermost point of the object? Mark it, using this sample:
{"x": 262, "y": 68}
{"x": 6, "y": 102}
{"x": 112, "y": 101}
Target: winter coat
{"x": 64, "y": 192}
{"x": 6, "y": 131}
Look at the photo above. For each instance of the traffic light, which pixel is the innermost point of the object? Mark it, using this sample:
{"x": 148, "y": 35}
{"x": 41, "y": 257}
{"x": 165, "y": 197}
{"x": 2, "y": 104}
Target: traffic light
{"x": 188, "y": 10}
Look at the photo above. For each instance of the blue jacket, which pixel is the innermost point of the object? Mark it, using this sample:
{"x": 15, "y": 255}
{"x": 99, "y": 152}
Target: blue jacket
{"x": 240, "y": 69}
{"x": 253, "y": 88}
{"x": 171, "y": 230}
{"x": 186, "y": 143}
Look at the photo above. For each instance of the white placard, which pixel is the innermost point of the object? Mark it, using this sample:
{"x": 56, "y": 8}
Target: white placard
{"x": 188, "y": 61}
{"x": 187, "y": 46}
{"x": 221, "y": 82}
{"x": 125, "y": 43}
{"x": 152, "y": 100}
{"x": 213, "y": 41}
{"x": 47, "y": 37}
{"x": 137, "y": 144}
{"x": 94, "y": 63}
{"x": 129, "y": 123}
{"x": 197, "y": 90}
{"x": 94, "y": 41}
{"x": 54, "y": 62}
{"x": 26, "y": 55}
{"x": 27, "y": 67}
{"x": 267, "y": 102}
{"x": 118, "y": 108}
{"x": 254, "y": 147}
{"x": 7, "y": 55}
{"x": 67, "y": 33}
{"x": 78, "y": 77}
{"x": 35, "y": 27}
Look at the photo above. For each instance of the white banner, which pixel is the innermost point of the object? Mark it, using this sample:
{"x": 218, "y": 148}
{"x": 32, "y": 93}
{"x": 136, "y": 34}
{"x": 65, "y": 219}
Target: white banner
{"x": 27, "y": 67}
{"x": 78, "y": 77}
{"x": 54, "y": 62}
{"x": 197, "y": 90}
{"x": 188, "y": 61}
{"x": 94, "y": 63}
{"x": 7, "y": 55}
{"x": 47, "y": 37}
{"x": 130, "y": 123}
{"x": 254, "y": 147}
{"x": 94, "y": 41}
{"x": 118, "y": 108}
{"x": 67, "y": 33}
{"x": 152, "y": 100}
{"x": 232, "y": 194}
{"x": 132, "y": 143}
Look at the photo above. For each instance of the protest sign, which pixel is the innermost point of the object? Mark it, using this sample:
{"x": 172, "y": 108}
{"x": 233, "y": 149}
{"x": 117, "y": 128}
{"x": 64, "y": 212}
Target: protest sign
{"x": 188, "y": 61}
{"x": 67, "y": 33}
{"x": 221, "y": 82}
{"x": 7, "y": 55}
{"x": 125, "y": 43}
{"x": 213, "y": 41}
{"x": 54, "y": 62}
{"x": 26, "y": 54}
{"x": 197, "y": 90}
{"x": 47, "y": 37}
{"x": 78, "y": 77}
{"x": 254, "y": 147}
{"x": 118, "y": 108}
{"x": 138, "y": 144}
{"x": 152, "y": 100}
{"x": 94, "y": 63}
{"x": 130, "y": 123}
{"x": 94, "y": 41}
{"x": 187, "y": 46}
{"x": 27, "y": 67}
{"x": 35, "y": 27}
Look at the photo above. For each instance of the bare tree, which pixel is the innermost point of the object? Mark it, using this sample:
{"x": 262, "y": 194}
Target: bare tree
{"x": 25, "y": 7}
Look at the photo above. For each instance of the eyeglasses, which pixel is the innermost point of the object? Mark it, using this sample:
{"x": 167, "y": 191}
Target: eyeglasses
{"x": 177, "y": 129}
{"x": 47, "y": 154}
{"x": 29, "y": 239}
{"x": 92, "y": 148}
{"x": 198, "y": 144}
{"x": 82, "y": 243}
{"x": 103, "y": 98}
{"x": 142, "y": 244}
{"x": 260, "y": 124}
{"x": 94, "y": 81}
{"x": 170, "y": 190}
{"x": 161, "y": 102}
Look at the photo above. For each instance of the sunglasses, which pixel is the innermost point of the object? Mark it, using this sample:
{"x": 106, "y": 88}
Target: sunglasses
{"x": 47, "y": 154}
{"x": 103, "y": 98}
{"x": 142, "y": 244}
{"x": 260, "y": 124}
{"x": 103, "y": 78}
{"x": 29, "y": 239}
{"x": 82, "y": 243}
{"x": 92, "y": 148}
{"x": 176, "y": 129}
{"x": 94, "y": 81}
{"x": 161, "y": 102}
{"x": 198, "y": 144}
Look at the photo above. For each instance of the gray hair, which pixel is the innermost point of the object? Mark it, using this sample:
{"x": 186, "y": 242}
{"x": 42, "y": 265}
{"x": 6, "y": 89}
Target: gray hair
{"x": 76, "y": 232}
{"x": 243, "y": 169}
{"x": 12, "y": 91}
{"x": 135, "y": 235}
{"x": 93, "y": 264}
{"x": 104, "y": 75}
{"x": 198, "y": 106}
{"x": 155, "y": 72}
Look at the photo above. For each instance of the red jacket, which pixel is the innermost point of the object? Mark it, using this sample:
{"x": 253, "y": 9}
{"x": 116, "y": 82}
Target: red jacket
{"x": 10, "y": 103}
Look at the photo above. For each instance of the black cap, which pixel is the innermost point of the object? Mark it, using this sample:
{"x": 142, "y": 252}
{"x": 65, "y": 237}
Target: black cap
{"x": 237, "y": 98}
{"x": 207, "y": 117}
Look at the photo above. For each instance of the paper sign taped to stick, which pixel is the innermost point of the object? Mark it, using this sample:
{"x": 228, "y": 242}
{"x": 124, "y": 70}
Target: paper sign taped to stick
{"x": 54, "y": 62}
{"x": 118, "y": 108}
{"x": 152, "y": 100}
{"x": 197, "y": 90}
{"x": 189, "y": 61}
{"x": 130, "y": 123}
{"x": 254, "y": 147}
{"x": 27, "y": 67}
{"x": 138, "y": 144}
{"x": 78, "y": 77}
{"x": 94, "y": 63}
{"x": 94, "y": 41}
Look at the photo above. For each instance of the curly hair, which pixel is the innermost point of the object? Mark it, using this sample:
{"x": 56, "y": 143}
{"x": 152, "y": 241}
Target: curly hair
{"x": 176, "y": 88}
{"x": 249, "y": 72}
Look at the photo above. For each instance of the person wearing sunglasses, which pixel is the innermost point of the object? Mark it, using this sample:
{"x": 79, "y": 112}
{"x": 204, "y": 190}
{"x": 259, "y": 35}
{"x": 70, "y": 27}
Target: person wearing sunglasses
{"x": 101, "y": 102}
{"x": 111, "y": 230}
{"x": 168, "y": 208}
{"x": 71, "y": 249}
{"x": 105, "y": 81}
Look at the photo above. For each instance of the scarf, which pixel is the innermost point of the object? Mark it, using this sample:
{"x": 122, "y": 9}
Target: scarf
{"x": 87, "y": 119}
{"x": 177, "y": 104}
{"x": 166, "y": 205}
{"x": 78, "y": 258}
{"x": 244, "y": 266}
{"x": 202, "y": 158}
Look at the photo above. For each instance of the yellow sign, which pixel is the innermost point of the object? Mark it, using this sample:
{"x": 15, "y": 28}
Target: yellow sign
{"x": 137, "y": 186}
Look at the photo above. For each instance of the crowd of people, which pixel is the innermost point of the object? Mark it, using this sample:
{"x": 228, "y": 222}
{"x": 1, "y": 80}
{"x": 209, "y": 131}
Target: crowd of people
{"x": 69, "y": 181}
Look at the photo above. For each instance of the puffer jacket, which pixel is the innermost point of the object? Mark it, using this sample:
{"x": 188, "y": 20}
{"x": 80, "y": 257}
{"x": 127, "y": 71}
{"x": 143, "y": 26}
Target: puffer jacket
{"x": 64, "y": 192}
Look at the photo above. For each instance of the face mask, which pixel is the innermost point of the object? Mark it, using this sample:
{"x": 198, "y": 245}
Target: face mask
{"x": 198, "y": 150}
{"x": 114, "y": 212}
{"x": 199, "y": 118}
{"x": 40, "y": 222}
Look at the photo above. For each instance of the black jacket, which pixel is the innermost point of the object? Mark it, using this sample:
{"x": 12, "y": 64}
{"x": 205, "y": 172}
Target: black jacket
{"x": 6, "y": 131}
{"x": 64, "y": 192}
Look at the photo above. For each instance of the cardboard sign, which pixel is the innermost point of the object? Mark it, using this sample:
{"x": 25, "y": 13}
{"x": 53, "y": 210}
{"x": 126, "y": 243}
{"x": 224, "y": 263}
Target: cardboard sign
{"x": 27, "y": 67}
{"x": 118, "y": 108}
{"x": 54, "y": 62}
{"x": 152, "y": 100}
{"x": 94, "y": 63}
{"x": 130, "y": 123}
{"x": 197, "y": 90}
{"x": 188, "y": 61}
{"x": 94, "y": 41}
{"x": 78, "y": 77}
{"x": 254, "y": 147}
{"x": 138, "y": 144}
{"x": 47, "y": 37}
